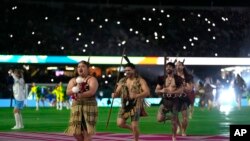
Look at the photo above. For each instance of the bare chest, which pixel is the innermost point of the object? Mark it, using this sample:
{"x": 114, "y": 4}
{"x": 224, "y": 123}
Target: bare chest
{"x": 129, "y": 84}
{"x": 170, "y": 82}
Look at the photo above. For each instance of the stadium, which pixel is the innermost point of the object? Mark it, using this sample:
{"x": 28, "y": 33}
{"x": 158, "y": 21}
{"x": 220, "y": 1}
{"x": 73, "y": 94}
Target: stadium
{"x": 47, "y": 39}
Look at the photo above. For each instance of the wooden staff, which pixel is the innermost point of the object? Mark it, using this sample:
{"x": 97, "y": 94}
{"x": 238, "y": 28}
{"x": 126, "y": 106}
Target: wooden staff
{"x": 89, "y": 59}
{"x": 117, "y": 79}
{"x": 165, "y": 65}
{"x": 183, "y": 61}
{"x": 164, "y": 71}
{"x": 126, "y": 58}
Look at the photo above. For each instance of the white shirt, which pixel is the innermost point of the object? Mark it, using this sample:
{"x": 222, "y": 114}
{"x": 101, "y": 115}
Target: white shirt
{"x": 18, "y": 88}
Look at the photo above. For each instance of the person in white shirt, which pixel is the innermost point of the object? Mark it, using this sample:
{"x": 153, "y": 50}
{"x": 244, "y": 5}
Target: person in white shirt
{"x": 19, "y": 95}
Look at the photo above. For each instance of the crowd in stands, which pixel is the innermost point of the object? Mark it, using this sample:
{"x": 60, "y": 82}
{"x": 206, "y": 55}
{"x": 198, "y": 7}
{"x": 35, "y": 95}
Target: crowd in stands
{"x": 84, "y": 29}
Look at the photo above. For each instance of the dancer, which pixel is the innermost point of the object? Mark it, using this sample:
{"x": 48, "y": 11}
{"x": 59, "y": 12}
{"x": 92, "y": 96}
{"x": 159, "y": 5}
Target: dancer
{"x": 187, "y": 99}
{"x": 201, "y": 94}
{"x": 170, "y": 88}
{"x": 84, "y": 112}
{"x": 219, "y": 89}
{"x": 209, "y": 97}
{"x": 132, "y": 89}
{"x": 239, "y": 88}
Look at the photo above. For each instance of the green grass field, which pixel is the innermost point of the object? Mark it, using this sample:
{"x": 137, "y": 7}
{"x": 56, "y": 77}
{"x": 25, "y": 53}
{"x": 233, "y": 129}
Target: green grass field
{"x": 51, "y": 120}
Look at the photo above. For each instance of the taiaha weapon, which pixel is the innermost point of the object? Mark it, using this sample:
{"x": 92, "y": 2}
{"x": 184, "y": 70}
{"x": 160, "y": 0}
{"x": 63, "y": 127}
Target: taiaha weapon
{"x": 175, "y": 61}
{"x": 165, "y": 65}
{"x": 164, "y": 72}
{"x": 117, "y": 79}
{"x": 165, "y": 75}
{"x": 89, "y": 59}
{"x": 183, "y": 61}
{"x": 126, "y": 58}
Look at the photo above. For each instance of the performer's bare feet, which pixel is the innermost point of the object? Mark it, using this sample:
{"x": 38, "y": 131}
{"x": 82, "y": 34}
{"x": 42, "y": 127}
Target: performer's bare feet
{"x": 183, "y": 133}
{"x": 173, "y": 138}
{"x": 178, "y": 130}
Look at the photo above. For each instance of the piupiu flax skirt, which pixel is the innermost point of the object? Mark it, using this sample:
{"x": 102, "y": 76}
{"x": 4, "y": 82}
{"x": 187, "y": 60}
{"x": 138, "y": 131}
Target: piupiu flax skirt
{"x": 83, "y": 116}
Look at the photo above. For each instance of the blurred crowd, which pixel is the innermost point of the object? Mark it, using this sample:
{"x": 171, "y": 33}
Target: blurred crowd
{"x": 49, "y": 28}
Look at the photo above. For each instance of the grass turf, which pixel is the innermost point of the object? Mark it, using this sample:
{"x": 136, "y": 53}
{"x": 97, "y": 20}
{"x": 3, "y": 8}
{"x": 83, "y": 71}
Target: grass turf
{"x": 49, "y": 119}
